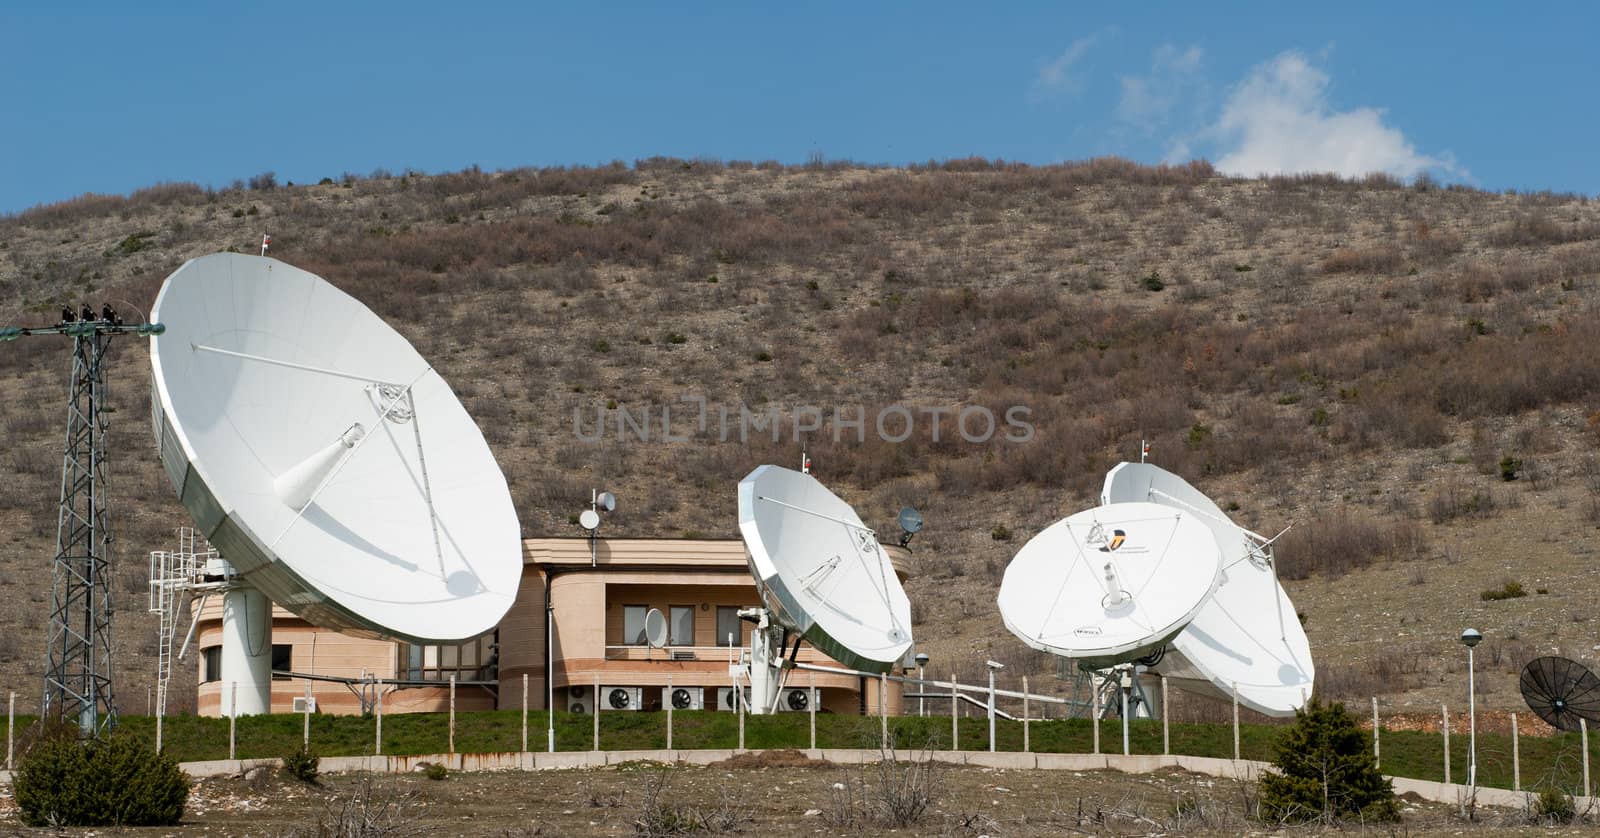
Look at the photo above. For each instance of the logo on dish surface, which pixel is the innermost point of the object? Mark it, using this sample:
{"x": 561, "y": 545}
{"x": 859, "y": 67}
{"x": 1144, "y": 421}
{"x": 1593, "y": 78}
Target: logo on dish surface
{"x": 1087, "y": 631}
{"x": 1097, "y": 535}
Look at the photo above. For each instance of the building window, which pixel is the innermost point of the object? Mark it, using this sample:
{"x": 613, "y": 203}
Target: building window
{"x": 282, "y": 658}
{"x": 633, "y": 624}
{"x": 681, "y": 626}
{"x": 212, "y": 668}
{"x": 729, "y": 631}
{"x": 474, "y": 660}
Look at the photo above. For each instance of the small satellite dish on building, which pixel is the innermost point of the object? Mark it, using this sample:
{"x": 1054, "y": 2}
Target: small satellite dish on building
{"x": 589, "y": 520}
{"x": 910, "y": 524}
{"x": 330, "y": 464}
{"x": 655, "y": 628}
{"x": 1110, "y": 584}
{"x": 1561, "y": 691}
{"x": 1247, "y": 635}
{"x": 606, "y": 501}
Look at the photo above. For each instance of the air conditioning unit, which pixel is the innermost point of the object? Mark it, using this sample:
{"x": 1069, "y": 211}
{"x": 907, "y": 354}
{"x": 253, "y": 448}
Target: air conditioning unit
{"x": 683, "y": 698}
{"x": 798, "y": 700}
{"x": 621, "y": 698}
{"x": 580, "y": 700}
{"x": 725, "y": 699}
{"x": 301, "y": 701}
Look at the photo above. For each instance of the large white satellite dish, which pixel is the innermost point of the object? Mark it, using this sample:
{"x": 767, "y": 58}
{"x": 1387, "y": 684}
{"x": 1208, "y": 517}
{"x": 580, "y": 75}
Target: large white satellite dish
{"x": 821, "y": 572}
{"x": 1247, "y": 636}
{"x": 1110, "y": 584}
{"x": 329, "y": 463}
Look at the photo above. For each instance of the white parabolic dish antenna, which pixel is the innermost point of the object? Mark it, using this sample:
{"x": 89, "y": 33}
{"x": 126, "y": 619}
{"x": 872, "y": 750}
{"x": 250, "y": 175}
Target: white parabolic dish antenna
{"x": 1110, "y": 584}
{"x": 1247, "y": 635}
{"x": 821, "y": 572}
{"x": 327, "y": 461}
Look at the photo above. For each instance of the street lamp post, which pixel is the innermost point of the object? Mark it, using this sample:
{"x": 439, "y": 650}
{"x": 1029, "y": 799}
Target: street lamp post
{"x": 1470, "y": 638}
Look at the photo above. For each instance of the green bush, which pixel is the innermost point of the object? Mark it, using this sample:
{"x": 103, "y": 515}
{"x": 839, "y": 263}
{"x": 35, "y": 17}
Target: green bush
{"x": 1511, "y": 590}
{"x": 1325, "y": 771}
{"x": 302, "y": 765}
{"x": 1554, "y": 806}
{"x": 115, "y": 780}
{"x": 435, "y": 771}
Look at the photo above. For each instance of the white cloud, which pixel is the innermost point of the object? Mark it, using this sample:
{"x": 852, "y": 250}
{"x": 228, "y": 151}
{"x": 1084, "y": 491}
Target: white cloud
{"x": 1148, "y": 101}
{"x": 1057, "y": 75}
{"x": 1278, "y": 120}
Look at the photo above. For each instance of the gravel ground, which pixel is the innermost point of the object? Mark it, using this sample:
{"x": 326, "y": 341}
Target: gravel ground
{"x": 777, "y": 794}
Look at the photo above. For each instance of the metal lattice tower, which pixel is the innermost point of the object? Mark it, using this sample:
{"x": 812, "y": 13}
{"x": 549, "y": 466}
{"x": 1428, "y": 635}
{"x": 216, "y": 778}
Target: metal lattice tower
{"x": 77, "y": 681}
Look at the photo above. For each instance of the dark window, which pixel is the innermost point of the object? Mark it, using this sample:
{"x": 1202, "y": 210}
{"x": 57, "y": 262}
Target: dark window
{"x": 729, "y": 630}
{"x": 211, "y": 668}
{"x": 282, "y": 658}
{"x": 681, "y": 626}
{"x": 633, "y": 624}
{"x": 474, "y": 660}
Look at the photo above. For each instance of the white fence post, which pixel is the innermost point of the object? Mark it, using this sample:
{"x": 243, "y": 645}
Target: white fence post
{"x": 1444, "y": 716}
{"x": 1583, "y": 725}
{"x": 883, "y": 710}
{"x": 452, "y": 713}
{"x": 1026, "y": 744}
{"x": 596, "y": 719}
{"x": 524, "y": 712}
{"x": 955, "y": 724}
{"x": 1166, "y": 736}
{"x": 811, "y": 707}
{"x": 669, "y": 712}
{"x": 378, "y": 734}
{"x": 1236, "y": 721}
{"x": 1516, "y": 757}
{"x": 1377, "y": 755}
{"x": 11, "y": 725}
{"x": 233, "y": 716}
{"x": 1095, "y": 718}
{"x": 305, "y": 733}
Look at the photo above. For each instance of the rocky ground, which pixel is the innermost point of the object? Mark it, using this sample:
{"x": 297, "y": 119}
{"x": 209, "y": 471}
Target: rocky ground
{"x": 774, "y": 794}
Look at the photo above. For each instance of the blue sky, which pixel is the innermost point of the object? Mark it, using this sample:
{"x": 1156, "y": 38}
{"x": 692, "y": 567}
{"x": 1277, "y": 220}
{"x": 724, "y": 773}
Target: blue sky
{"x": 102, "y": 97}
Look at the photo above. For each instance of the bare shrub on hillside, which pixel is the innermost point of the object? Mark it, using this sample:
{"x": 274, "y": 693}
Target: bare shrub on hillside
{"x": 1392, "y": 671}
{"x": 1460, "y": 500}
{"x": 1537, "y": 228}
{"x": 1344, "y": 540}
{"x": 1378, "y": 259}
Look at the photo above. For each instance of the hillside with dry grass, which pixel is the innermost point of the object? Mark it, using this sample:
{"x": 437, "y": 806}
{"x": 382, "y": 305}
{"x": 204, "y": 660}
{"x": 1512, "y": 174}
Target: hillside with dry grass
{"x": 1405, "y": 374}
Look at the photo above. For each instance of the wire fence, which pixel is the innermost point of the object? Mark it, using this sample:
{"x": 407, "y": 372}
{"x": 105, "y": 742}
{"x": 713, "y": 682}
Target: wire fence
{"x": 1403, "y": 744}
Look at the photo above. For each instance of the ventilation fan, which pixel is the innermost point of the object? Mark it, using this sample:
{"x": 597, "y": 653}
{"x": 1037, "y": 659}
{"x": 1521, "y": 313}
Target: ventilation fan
{"x": 797, "y": 700}
{"x": 619, "y": 699}
{"x": 681, "y": 699}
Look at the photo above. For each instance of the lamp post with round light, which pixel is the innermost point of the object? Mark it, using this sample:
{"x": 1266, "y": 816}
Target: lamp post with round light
{"x": 1470, "y": 638}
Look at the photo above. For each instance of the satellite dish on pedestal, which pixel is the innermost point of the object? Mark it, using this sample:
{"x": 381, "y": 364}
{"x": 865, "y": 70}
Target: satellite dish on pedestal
{"x": 1247, "y": 635}
{"x": 822, "y": 575}
{"x": 328, "y": 462}
{"x": 1110, "y": 584}
{"x": 821, "y": 572}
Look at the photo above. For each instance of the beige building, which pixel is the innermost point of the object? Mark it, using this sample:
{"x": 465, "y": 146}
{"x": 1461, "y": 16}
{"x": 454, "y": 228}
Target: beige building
{"x": 596, "y": 604}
